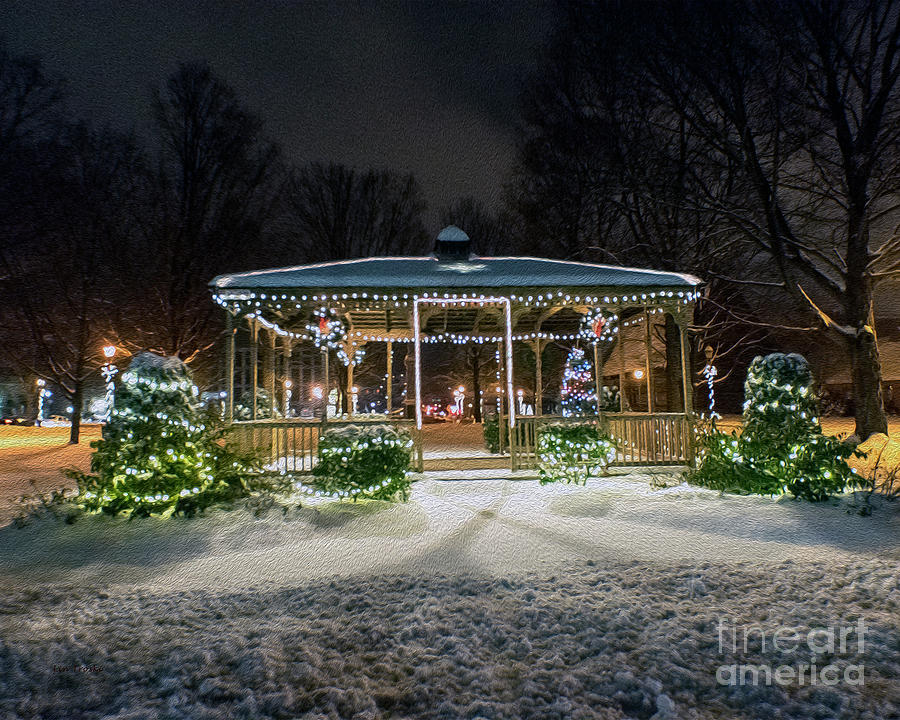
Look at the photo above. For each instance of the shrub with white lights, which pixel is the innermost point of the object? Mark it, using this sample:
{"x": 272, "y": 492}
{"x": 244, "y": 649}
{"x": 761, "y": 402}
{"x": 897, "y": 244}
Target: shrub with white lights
{"x": 573, "y": 452}
{"x": 579, "y": 395}
{"x": 159, "y": 452}
{"x": 781, "y": 448}
{"x": 370, "y": 461}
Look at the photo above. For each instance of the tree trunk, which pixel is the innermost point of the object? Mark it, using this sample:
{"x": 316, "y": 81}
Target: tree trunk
{"x": 674, "y": 400}
{"x": 77, "y": 402}
{"x": 868, "y": 403}
{"x": 475, "y": 364}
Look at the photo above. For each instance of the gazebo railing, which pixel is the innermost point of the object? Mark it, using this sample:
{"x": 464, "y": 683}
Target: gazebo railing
{"x": 644, "y": 439}
{"x": 291, "y": 446}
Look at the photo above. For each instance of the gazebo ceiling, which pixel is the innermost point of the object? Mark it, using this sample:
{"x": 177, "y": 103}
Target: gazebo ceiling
{"x": 430, "y": 273}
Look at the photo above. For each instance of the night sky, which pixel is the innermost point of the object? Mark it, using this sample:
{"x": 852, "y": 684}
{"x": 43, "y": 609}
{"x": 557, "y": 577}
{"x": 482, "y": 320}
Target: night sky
{"x": 422, "y": 87}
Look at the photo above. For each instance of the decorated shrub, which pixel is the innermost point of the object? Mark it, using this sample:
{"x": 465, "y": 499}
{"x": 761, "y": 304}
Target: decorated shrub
{"x": 781, "y": 447}
{"x": 573, "y": 452}
{"x": 159, "y": 452}
{"x": 579, "y": 396}
{"x": 491, "y": 432}
{"x": 363, "y": 461}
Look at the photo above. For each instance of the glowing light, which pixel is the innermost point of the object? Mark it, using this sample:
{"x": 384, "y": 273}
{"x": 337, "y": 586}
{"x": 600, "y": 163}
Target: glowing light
{"x": 109, "y": 351}
{"x": 638, "y": 374}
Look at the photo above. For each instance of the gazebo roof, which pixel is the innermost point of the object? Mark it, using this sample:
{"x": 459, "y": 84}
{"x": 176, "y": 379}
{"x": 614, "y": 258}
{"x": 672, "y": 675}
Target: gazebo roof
{"x": 430, "y": 272}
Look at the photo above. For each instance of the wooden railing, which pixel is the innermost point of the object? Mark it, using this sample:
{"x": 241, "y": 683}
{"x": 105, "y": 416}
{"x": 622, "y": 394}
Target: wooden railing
{"x": 655, "y": 439}
{"x": 291, "y": 446}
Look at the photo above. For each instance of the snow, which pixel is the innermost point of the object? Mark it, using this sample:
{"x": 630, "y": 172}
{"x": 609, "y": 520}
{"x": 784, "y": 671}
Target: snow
{"x": 451, "y": 233}
{"x": 491, "y": 598}
{"x": 151, "y": 361}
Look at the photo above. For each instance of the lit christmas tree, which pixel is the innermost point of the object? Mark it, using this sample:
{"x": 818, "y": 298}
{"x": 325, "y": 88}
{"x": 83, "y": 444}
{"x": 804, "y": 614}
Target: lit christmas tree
{"x": 578, "y": 390}
{"x": 159, "y": 452}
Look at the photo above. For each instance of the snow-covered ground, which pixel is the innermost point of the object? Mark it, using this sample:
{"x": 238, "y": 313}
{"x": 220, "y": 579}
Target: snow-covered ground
{"x": 479, "y": 598}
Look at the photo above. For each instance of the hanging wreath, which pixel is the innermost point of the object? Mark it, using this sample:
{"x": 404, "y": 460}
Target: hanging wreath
{"x": 327, "y": 329}
{"x": 597, "y": 326}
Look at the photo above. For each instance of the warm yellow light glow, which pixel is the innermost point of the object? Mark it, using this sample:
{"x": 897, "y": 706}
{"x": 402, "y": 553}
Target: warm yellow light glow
{"x": 109, "y": 350}
{"x": 638, "y": 374}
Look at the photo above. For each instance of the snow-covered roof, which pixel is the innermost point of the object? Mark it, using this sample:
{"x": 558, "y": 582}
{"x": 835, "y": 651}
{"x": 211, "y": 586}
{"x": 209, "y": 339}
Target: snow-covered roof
{"x": 476, "y": 272}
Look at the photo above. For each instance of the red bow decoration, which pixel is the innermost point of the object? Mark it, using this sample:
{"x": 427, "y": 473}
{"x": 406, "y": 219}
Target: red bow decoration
{"x": 323, "y": 325}
{"x": 598, "y": 325}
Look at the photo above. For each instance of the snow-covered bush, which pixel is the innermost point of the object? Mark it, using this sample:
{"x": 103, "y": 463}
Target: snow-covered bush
{"x": 781, "y": 447}
{"x": 573, "y": 452}
{"x": 364, "y": 461}
{"x": 243, "y": 409}
{"x": 491, "y": 432}
{"x": 159, "y": 452}
{"x": 609, "y": 399}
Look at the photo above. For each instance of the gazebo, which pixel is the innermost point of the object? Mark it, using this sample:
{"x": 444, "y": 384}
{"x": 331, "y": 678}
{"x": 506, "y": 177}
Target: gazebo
{"x": 453, "y": 296}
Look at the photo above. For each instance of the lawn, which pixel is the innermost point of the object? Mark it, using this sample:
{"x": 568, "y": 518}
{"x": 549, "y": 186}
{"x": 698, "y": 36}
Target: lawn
{"x": 477, "y": 599}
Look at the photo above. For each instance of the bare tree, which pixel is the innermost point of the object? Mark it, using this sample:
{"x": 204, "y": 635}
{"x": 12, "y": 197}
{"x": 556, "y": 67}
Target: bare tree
{"x": 757, "y": 146}
{"x": 804, "y": 100}
{"x": 339, "y": 213}
{"x": 60, "y": 295}
{"x": 210, "y": 197}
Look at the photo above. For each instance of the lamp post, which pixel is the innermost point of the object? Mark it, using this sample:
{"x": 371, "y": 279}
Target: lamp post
{"x": 108, "y": 370}
{"x": 287, "y": 396}
{"x": 710, "y": 372}
{"x": 43, "y": 392}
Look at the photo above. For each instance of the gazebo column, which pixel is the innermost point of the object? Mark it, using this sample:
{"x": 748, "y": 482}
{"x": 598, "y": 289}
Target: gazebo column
{"x": 326, "y": 383}
{"x": 648, "y": 365}
{"x": 229, "y": 366}
{"x": 389, "y": 376}
{"x": 537, "y": 347}
{"x": 254, "y": 364}
{"x": 687, "y": 385}
{"x": 623, "y": 371}
{"x": 598, "y": 375}
{"x": 270, "y": 373}
{"x": 349, "y": 389}
{"x": 409, "y": 369}
{"x": 287, "y": 381}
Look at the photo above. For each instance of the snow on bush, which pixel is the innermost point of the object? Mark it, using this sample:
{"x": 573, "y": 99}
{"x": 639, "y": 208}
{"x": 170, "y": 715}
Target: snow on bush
{"x": 159, "y": 452}
{"x": 364, "y": 461}
{"x": 573, "y": 452}
{"x": 781, "y": 447}
{"x": 491, "y": 432}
